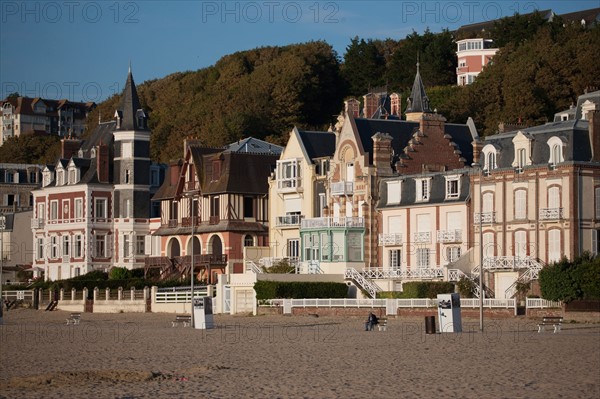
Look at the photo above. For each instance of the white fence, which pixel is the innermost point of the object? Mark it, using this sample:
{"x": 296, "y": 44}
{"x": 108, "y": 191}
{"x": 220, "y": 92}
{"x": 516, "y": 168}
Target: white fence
{"x": 20, "y": 295}
{"x": 178, "y": 296}
{"x": 539, "y": 303}
{"x": 490, "y": 303}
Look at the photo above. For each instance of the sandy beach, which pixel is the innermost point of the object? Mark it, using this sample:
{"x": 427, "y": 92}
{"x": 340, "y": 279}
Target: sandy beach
{"x": 142, "y": 356}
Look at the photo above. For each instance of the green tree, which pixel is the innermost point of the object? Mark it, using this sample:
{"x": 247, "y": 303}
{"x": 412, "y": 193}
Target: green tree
{"x": 364, "y": 66}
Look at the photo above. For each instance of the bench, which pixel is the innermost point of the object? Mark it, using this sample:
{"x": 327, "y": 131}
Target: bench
{"x": 184, "y": 319}
{"x": 75, "y": 318}
{"x": 554, "y": 321}
{"x": 382, "y": 325}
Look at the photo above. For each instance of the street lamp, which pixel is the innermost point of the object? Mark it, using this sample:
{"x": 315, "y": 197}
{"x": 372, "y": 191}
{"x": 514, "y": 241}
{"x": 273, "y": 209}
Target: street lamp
{"x": 191, "y": 195}
{"x": 2, "y": 226}
{"x": 481, "y": 292}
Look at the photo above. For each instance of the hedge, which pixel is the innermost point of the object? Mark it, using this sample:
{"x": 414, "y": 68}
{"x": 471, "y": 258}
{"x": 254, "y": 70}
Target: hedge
{"x": 298, "y": 290}
{"x": 567, "y": 281}
{"x": 420, "y": 289}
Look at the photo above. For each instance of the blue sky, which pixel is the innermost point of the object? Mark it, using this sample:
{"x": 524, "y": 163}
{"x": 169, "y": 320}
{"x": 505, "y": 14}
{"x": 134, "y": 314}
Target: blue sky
{"x": 81, "y": 49}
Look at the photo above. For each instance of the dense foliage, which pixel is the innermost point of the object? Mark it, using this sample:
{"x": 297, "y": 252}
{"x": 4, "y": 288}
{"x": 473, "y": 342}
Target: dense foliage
{"x": 566, "y": 281}
{"x": 541, "y": 68}
{"x": 296, "y": 289}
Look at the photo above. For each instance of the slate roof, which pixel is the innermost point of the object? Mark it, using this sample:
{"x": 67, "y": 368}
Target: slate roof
{"x": 418, "y": 100}
{"x": 130, "y": 106}
{"x": 591, "y": 16}
{"x": 574, "y": 133}
{"x": 318, "y": 144}
{"x": 408, "y": 189}
{"x": 575, "y": 112}
{"x": 103, "y": 133}
{"x": 241, "y": 173}
{"x": 254, "y": 145}
{"x": 402, "y": 131}
{"x": 25, "y": 106}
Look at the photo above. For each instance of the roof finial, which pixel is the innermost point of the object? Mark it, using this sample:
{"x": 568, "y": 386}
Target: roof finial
{"x": 418, "y": 61}
{"x": 129, "y": 66}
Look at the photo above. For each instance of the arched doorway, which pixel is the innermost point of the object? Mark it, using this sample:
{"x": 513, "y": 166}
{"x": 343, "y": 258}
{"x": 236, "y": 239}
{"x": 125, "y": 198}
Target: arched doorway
{"x": 197, "y": 247}
{"x": 173, "y": 248}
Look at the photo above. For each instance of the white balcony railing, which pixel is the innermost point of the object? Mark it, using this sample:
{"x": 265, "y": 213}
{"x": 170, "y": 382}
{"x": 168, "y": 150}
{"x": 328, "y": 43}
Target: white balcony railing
{"x": 422, "y": 237}
{"x": 37, "y": 223}
{"x": 513, "y": 263}
{"x": 289, "y": 184}
{"x": 486, "y": 217}
{"x": 403, "y": 274}
{"x": 342, "y": 188}
{"x": 332, "y": 222}
{"x": 444, "y": 236}
{"x": 390, "y": 239}
{"x": 288, "y": 220}
{"x": 551, "y": 213}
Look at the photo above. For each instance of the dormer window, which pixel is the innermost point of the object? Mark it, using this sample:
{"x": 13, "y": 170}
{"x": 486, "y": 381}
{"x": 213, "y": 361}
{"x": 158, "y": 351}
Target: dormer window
{"x": 423, "y": 187}
{"x": 522, "y": 145}
{"x": 60, "y": 176}
{"x": 556, "y": 151}
{"x": 489, "y": 157}
{"x": 47, "y": 177}
{"x": 452, "y": 187}
{"x": 93, "y": 153}
{"x": 393, "y": 191}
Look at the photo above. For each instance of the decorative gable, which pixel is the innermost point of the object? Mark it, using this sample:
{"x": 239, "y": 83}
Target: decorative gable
{"x": 523, "y": 146}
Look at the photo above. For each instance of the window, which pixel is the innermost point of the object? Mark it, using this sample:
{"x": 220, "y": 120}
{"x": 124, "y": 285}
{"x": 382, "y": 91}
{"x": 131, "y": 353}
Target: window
{"x": 355, "y": 246}
{"x": 140, "y": 245}
{"x": 452, "y": 188}
{"x": 66, "y": 209}
{"x": 40, "y": 249}
{"x": 100, "y": 246}
{"x": 248, "y": 207}
{"x": 78, "y": 208}
{"x": 78, "y": 246}
{"x": 126, "y": 245}
{"x": 66, "y": 247}
{"x": 126, "y": 211}
{"x": 422, "y": 257}
{"x": 395, "y": 258}
{"x": 60, "y": 177}
{"x": 100, "y": 212}
{"x": 311, "y": 246}
{"x": 521, "y": 158}
{"x": 393, "y": 192}
{"x": 489, "y": 157}
{"x": 423, "y": 189}
{"x": 520, "y": 244}
{"x": 452, "y": 254}
{"x": 10, "y": 177}
{"x": 54, "y": 247}
{"x": 288, "y": 174}
{"x": 322, "y": 167}
{"x": 32, "y": 177}
{"x": 554, "y": 249}
{"x": 520, "y": 204}
{"x": 327, "y": 246}
{"x": 154, "y": 177}
{"x": 488, "y": 202}
{"x": 248, "y": 241}
{"x": 322, "y": 204}
{"x": 293, "y": 248}
{"x": 555, "y": 145}
{"x": 53, "y": 210}
{"x": 128, "y": 179}
{"x": 41, "y": 211}
{"x": 554, "y": 197}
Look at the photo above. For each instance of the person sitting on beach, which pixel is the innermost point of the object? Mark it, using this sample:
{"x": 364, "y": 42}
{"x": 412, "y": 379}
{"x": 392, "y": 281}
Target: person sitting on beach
{"x": 371, "y": 322}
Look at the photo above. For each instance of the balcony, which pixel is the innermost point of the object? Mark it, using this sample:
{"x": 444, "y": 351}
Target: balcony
{"x": 449, "y": 236}
{"x": 344, "y": 222}
{"x": 390, "y": 239}
{"x": 551, "y": 213}
{"x": 288, "y": 221}
{"x": 289, "y": 185}
{"x": 342, "y": 188}
{"x": 214, "y": 220}
{"x": 422, "y": 237}
{"x": 462, "y": 69}
{"x": 485, "y": 217}
{"x": 187, "y": 221}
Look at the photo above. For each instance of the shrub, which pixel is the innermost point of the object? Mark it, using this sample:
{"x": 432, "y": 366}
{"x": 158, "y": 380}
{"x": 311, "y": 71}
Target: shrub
{"x": 465, "y": 287}
{"x": 426, "y": 289}
{"x": 119, "y": 273}
{"x": 299, "y": 289}
{"x": 566, "y": 281}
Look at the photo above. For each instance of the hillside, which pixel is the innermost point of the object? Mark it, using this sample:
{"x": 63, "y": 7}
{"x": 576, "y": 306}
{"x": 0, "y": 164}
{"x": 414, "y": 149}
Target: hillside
{"x": 541, "y": 69}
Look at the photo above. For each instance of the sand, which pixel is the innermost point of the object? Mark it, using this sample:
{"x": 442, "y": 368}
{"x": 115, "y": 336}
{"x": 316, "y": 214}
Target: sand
{"x": 142, "y": 356}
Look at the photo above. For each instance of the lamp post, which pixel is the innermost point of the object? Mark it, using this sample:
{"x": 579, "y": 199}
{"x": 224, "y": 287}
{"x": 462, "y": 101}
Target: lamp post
{"x": 481, "y": 292}
{"x": 191, "y": 195}
{"x": 2, "y": 226}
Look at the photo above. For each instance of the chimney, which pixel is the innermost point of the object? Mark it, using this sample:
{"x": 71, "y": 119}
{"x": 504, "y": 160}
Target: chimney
{"x": 102, "y": 163}
{"x": 395, "y": 105}
{"x": 432, "y": 124}
{"x": 370, "y": 105}
{"x": 477, "y": 146}
{"x": 352, "y": 107}
{"x": 174, "y": 172}
{"x": 69, "y": 147}
{"x": 594, "y": 131}
{"x": 382, "y": 153}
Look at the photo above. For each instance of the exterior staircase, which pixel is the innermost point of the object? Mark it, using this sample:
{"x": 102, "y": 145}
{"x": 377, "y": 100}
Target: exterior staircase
{"x": 457, "y": 274}
{"x": 357, "y": 277}
{"x": 252, "y": 267}
{"x": 531, "y": 273}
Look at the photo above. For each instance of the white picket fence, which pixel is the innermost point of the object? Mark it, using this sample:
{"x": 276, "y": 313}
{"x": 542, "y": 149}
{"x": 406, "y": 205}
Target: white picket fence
{"x": 489, "y": 303}
{"x": 539, "y": 303}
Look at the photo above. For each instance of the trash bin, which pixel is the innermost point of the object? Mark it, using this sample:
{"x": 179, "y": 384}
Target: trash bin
{"x": 430, "y": 324}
